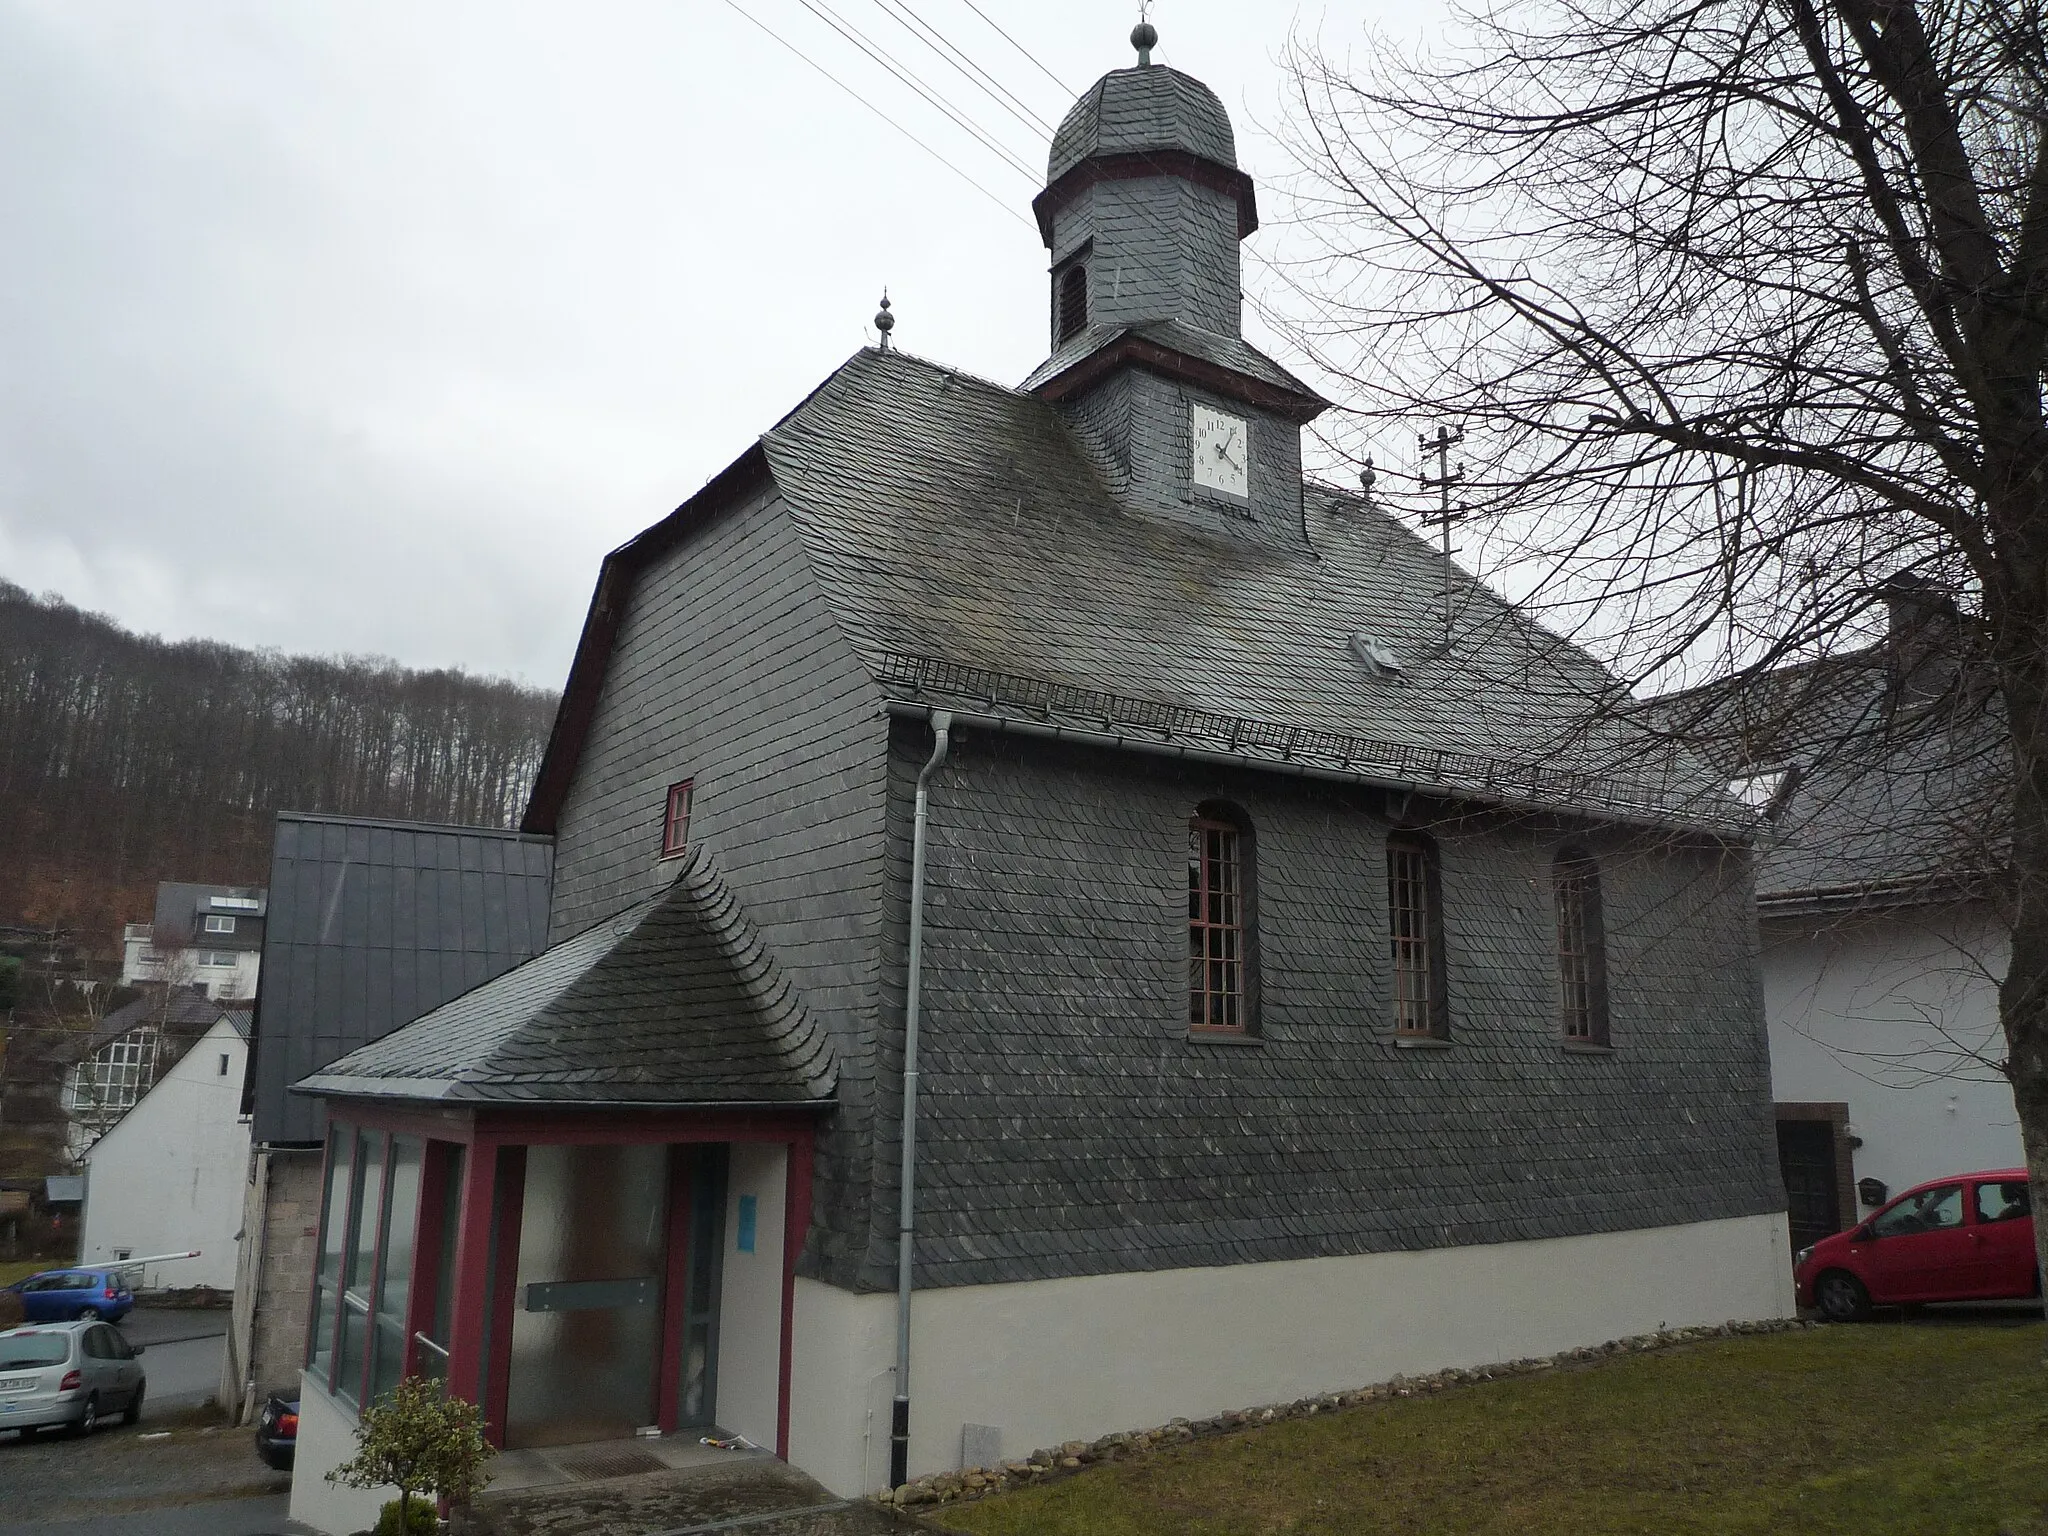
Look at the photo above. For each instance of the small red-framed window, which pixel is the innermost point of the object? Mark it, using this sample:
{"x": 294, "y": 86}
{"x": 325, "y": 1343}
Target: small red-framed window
{"x": 675, "y": 822}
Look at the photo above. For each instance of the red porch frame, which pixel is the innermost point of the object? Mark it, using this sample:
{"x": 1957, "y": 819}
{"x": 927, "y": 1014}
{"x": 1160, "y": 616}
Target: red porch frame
{"x": 487, "y": 1222}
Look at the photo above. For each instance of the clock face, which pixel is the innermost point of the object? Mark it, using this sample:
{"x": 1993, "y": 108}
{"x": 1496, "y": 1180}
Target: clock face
{"x": 1222, "y": 451}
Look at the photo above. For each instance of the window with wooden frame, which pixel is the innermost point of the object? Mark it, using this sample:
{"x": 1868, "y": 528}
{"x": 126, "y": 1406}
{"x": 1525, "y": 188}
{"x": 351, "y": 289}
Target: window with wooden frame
{"x": 1416, "y": 935}
{"x": 1071, "y": 305}
{"x": 1222, "y": 976}
{"x": 1581, "y": 949}
{"x": 675, "y": 822}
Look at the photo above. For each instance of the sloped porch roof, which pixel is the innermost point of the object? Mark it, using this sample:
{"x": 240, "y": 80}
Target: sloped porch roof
{"x": 674, "y": 1001}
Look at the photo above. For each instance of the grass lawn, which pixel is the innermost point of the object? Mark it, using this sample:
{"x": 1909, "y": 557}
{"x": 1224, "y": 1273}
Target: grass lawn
{"x": 1872, "y": 1430}
{"x": 13, "y": 1270}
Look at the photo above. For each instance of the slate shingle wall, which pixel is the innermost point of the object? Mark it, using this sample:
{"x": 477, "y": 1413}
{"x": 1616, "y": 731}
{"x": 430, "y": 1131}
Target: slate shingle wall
{"x": 1070, "y": 1126}
{"x": 728, "y": 670}
{"x": 1137, "y": 427}
{"x": 1165, "y": 248}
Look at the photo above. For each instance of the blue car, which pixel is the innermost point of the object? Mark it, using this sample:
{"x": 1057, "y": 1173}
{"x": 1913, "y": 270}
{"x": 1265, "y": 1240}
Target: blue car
{"x": 60, "y": 1295}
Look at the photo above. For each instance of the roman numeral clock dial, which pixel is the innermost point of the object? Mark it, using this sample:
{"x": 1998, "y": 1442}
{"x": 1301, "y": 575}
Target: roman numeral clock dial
{"x": 1222, "y": 451}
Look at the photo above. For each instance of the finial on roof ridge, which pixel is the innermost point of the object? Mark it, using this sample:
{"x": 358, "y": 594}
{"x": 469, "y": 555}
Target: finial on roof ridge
{"x": 884, "y": 321}
{"x": 1144, "y": 38}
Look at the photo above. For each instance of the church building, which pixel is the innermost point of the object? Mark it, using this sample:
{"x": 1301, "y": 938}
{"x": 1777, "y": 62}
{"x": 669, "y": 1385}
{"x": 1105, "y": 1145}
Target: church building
{"x": 1059, "y": 923}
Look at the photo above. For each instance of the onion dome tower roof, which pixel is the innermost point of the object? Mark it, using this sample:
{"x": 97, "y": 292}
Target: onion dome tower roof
{"x": 1148, "y": 121}
{"x": 1151, "y": 107}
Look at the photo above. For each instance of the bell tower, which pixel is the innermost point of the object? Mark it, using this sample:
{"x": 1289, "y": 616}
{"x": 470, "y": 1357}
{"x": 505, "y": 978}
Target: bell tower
{"x": 1144, "y": 205}
{"x": 1143, "y": 210}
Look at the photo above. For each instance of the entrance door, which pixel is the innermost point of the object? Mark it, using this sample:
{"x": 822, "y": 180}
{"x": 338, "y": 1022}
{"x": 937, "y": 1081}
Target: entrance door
{"x": 587, "y": 1314}
{"x": 1806, "y": 1157}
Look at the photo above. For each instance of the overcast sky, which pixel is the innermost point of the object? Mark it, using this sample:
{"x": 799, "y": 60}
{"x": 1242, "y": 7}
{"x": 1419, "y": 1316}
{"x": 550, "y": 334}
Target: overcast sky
{"x": 369, "y": 326}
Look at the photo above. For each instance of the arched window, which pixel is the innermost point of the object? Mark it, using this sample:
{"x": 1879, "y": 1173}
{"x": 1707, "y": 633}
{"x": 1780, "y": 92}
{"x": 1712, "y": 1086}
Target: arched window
{"x": 1071, "y": 310}
{"x": 1222, "y": 969}
{"x": 1416, "y": 932}
{"x": 1581, "y": 949}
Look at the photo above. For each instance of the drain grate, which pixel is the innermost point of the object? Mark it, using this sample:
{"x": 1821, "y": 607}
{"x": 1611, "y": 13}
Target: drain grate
{"x": 608, "y": 1461}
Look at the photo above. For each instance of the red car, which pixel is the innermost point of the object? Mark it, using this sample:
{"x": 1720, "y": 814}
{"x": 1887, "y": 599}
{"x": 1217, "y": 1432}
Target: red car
{"x": 1966, "y": 1238}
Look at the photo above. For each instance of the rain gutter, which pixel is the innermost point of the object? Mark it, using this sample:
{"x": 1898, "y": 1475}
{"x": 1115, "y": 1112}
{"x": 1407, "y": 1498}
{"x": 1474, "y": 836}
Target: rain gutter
{"x": 1158, "y": 746}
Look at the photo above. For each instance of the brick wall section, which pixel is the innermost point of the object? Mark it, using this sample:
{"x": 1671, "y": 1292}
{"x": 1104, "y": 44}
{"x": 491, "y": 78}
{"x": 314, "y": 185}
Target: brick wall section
{"x": 1070, "y": 1126}
{"x": 727, "y": 670}
{"x": 285, "y": 1287}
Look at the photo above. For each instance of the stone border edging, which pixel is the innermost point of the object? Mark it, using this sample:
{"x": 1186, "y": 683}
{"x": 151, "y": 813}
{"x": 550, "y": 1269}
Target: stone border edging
{"x": 1047, "y": 1465}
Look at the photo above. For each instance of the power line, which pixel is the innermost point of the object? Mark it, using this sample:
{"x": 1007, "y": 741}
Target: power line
{"x": 861, "y": 41}
{"x": 885, "y": 117}
{"x": 984, "y": 15}
{"x": 964, "y": 65}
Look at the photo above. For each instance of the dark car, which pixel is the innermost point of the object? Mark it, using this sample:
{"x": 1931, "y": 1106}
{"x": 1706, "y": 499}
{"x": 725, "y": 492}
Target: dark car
{"x": 65, "y": 1295}
{"x": 277, "y": 1432}
{"x": 1969, "y": 1237}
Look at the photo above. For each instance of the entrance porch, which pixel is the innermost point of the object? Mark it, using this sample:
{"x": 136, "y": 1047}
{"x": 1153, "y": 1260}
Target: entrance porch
{"x": 575, "y": 1194}
{"x": 586, "y": 1277}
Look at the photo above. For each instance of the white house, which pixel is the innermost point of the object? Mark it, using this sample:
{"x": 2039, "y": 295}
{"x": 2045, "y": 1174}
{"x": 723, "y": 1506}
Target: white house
{"x": 208, "y": 936}
{"x": 1881, "y": 776}
{"x": 168, "y": 1176}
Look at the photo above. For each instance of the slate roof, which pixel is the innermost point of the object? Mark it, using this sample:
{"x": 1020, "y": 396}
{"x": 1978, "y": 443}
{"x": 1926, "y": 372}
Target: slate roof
{"x": 371, "y": 924}
{"x": 186, "y": 1011}
{"x": 674, "y": 1001}
{"x": 1130, "y": 110}
{"x": 183, "y": 905}
{"x": 971, "y": 552}
{"x": 1228, "y": 352}
{"x": 1899, "y": 784}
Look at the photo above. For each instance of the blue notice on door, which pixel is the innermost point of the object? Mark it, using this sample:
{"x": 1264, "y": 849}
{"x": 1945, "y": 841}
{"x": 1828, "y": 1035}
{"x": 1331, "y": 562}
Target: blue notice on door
{"x": 750, "y": 1210}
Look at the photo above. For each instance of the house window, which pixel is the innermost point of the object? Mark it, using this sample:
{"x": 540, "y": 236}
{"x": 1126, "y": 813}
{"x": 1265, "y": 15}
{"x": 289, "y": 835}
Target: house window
{"x": 217, "y": 958}
{"x": 220, "y": 925}
{"x": 238, "y": 903}
{"x": 1415, "y": 928}
{"x": 675, "y": 824}
{"x": 1220, "y": 933}
{"x": 114, "y": 1077}
{"x": 1581, "y": 950}
{"x": 1072, "y": 309}
{"x": 223, "y": 1064}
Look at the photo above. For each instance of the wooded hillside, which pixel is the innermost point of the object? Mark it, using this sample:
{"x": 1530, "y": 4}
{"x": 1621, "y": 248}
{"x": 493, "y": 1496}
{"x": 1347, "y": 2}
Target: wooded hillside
{"x": 125, "y": 759}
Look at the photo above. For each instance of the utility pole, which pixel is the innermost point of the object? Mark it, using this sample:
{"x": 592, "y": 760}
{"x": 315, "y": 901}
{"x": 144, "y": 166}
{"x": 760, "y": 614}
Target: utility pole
{"x": 1441, "y": 444}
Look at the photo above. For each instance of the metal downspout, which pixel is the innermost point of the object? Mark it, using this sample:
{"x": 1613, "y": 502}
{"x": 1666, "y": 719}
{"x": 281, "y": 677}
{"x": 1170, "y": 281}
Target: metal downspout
{"x": 899, "y": 1413}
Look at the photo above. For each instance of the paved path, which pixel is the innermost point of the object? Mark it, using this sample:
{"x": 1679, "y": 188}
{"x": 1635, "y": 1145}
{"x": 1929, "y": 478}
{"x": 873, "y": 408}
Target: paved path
{"x": 184, "y": 1374}
{"x": 235, "y": 1517}
{"x": 51, "y": 1482}
{"x": 172, "y": 1325}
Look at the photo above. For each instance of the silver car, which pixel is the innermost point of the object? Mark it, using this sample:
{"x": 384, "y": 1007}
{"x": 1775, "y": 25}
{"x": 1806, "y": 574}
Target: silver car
{"x": 71, "y": 1375}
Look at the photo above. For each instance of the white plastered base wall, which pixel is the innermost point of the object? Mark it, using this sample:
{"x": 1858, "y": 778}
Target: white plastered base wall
{"x": 750, "y": 1296}
{"x": 1056, "y": 1360}
{"x": 327, "y": 1438}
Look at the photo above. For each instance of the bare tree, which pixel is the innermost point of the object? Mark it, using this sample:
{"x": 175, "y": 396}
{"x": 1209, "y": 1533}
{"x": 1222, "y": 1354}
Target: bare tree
{"x": 1744, "y": 306}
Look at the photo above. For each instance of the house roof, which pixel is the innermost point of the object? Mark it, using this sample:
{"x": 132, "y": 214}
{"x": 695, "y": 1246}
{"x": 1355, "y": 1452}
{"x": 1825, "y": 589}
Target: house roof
{"x": 371, "y": 924}
{"x": 179, "y": 1010}
{"x": 674, "y": 1001}
{"x": 972, "y": 556}
{"x": 1897, "y": 780}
